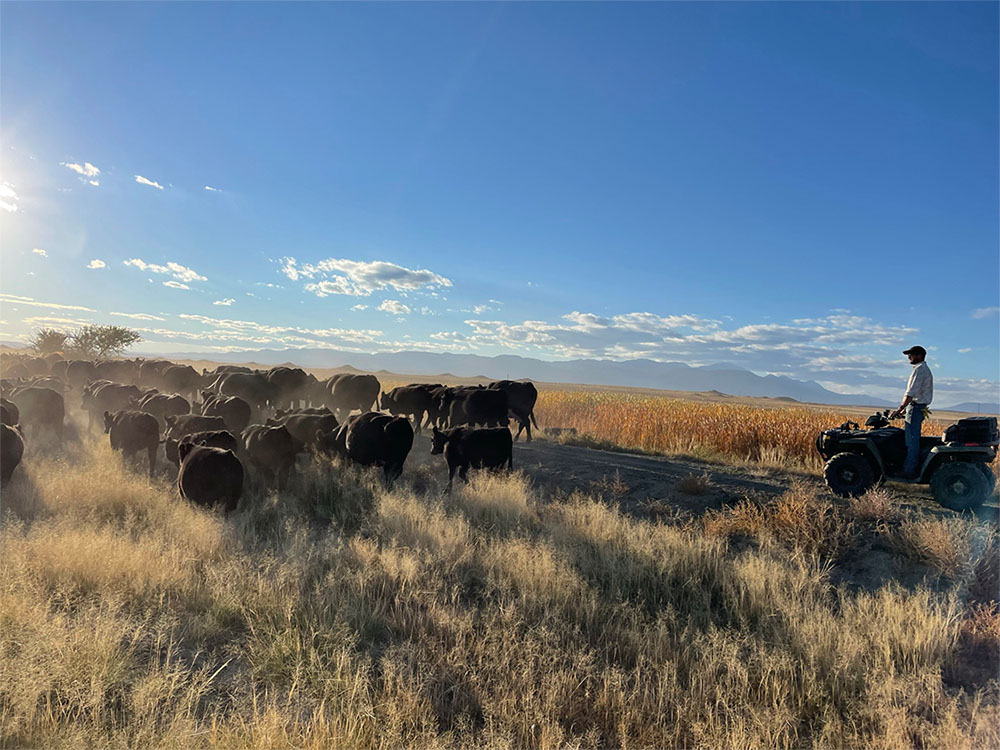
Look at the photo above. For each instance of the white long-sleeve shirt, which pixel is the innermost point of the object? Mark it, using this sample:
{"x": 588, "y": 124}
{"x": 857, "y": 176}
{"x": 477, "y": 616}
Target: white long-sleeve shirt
{"x": 920, "y": 386}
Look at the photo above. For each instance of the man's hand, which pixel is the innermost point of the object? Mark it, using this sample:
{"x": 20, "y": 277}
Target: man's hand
{"x": 897, "y": 414}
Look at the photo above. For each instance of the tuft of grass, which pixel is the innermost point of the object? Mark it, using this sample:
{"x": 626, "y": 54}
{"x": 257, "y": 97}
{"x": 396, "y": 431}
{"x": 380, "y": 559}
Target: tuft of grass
{"x": 942, "y": 544}
{"x": 798, "y": 518}
{"x": 877, "y": 505}
{"x": 694, "y": 484}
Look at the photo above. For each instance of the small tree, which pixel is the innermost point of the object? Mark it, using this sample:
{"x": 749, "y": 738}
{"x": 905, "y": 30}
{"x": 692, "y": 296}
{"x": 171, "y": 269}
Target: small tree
{"x": 48, "y": 340}
{"x": 101, "y": 342}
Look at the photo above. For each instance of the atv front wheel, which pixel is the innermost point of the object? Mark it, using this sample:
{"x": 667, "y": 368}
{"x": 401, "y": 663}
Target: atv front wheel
{"x": 960, "y": 485}
{"x": 849, "y": 475}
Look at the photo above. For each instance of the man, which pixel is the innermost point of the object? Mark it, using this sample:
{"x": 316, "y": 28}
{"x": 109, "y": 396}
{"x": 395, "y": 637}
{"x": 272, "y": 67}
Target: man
{"x": 919, "y": 392}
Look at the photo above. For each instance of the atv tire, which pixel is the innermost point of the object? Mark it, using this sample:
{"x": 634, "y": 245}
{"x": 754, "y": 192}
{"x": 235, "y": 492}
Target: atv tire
{"x": 849, "y": 475}
{"x": 960, "y": 485}
{"x": 991, "y": 481}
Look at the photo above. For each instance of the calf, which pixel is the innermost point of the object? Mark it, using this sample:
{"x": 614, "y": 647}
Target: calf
{"x": 464, "y": 447}
{"x": 210, "y": 476}
{"x": 133, "y": 431}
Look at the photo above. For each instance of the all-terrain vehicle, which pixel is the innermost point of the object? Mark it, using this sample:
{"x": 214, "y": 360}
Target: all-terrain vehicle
{"x": 955, "y": 465}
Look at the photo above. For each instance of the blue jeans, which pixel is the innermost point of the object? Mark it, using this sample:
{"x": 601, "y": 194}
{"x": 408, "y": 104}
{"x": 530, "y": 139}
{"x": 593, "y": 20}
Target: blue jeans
{"x": 914, "y": 420}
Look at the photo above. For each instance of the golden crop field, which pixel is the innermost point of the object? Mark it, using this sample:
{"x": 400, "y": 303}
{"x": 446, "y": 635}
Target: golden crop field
{"x": 657, "y": 424}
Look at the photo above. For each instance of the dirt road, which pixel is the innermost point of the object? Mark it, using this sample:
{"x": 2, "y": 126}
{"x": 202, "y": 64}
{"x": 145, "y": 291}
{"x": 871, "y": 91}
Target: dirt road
{"x": 652, "y": 485}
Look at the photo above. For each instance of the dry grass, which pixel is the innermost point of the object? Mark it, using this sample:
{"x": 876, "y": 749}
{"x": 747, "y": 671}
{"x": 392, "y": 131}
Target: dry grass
{"x": 780, "y": 436}
{"x": 943, "y": 544}
{"x": 338, "y": 614}
{"x": 876, "y": 505}
{"x": 694, "y": 484}
{"x": 799, "y": 519}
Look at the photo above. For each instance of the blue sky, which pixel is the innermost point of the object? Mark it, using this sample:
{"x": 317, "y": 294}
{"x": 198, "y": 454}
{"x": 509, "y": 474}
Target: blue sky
{"x": 798, "y": 188}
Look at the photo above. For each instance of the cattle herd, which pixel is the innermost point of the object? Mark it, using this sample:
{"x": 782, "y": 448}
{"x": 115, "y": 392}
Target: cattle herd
{"x": 217, "y": 426}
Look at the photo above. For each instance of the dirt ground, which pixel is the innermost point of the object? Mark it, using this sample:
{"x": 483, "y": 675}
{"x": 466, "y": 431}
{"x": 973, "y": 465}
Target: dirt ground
{"x": 647, "y": 486}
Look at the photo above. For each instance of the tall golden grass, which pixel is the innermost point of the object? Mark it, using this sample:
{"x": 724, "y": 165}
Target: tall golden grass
{"x": 783, "y": 435}
{"x": 338, "y": 614}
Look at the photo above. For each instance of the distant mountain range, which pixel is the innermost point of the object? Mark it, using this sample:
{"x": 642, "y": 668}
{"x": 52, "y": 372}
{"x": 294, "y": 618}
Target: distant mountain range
{"x": 975, "y": 408}
{"x": 638, "y": 373}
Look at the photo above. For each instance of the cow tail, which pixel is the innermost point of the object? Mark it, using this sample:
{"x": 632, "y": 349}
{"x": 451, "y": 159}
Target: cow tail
{"x": 531, "y": 415}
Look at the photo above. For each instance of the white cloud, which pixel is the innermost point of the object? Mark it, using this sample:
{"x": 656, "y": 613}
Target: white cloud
{"x": 179, "y": 272}
{"x": 95, "y": 263}
{"x": 144, "y": 181}
{"x": 985, "y": 312}
{"x": 394, "y": 306}
{"x": 84, "y": 170}
{"x": 8, "y": 198}
{"x": 966, "y": 350}
{"x": 175, "y": 285}
{"x": 137, "y": 316}
{"x": 225, "y": 302}
{"x": 14, "y": 300}
{"x": 95, "y": 183}
{"x": 214, "y": 190}
{"x": 359, "y": 308}
{"x": 39, "y": 251}
{"x": 359, "y": 278}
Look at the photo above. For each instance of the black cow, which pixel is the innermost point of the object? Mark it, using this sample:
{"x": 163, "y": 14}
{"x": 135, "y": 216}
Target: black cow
{"x": 521, "y": 398}
{"x": 213, "y": 438}
{"x": 40, "y": 408}
{"x": 161, "y": 405}
{"x": 210, "y": 476}
{"x": 236, "y": 411}
{"x": 117, "y": 370}
{"x": 271, "y": 451}
{"x": 181, "y": 379}
{"x": 305, "y": 426}
{"x": 349, "y": 391}
{"x": 79, "y": 372}
{"x": 11, "y": 450}
{"x": 464, "y": 447}
{"x": 481, "y": 406}
{"x": 104, "y": 396}
{"x": 374, "y": 439}
{"x": 289, "y": 385}
{"x": 133, "y": 431}
{"x": 150, "y": 370}
{"x": 252, "y": 387}
{"x": 412, "y": 400}
{"x": 184, "y": 424}
{"x": 10, "y": 413}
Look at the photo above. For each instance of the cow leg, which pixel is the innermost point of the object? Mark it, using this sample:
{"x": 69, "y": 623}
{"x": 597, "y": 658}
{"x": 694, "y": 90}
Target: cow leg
{"x": 151, "y": 452}
{"x": 463, "y": 473}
